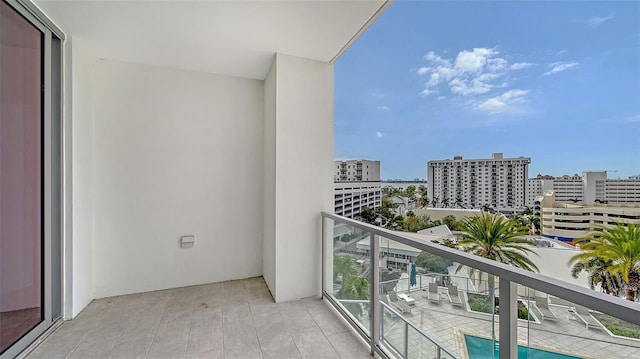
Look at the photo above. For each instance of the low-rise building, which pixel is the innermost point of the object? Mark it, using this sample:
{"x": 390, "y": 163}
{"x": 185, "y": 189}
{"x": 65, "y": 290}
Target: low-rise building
{"x": 591, "y": 187}
{"x": 356, "y": 185}
{"x": 568, "y": 221}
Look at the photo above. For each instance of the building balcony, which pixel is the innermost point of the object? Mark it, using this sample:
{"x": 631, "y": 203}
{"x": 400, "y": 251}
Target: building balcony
{"x": 235, "y": 319}
{"x": 441, "y": 315}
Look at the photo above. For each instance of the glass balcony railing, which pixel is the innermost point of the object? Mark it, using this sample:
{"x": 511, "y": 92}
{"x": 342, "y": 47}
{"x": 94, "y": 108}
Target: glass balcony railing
{"x": 463, "y": 306}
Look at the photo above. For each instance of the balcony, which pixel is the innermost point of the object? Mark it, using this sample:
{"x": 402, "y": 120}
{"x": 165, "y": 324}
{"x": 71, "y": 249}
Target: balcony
{"x": 447, "y": 315}
{"x": 235, "y": 319}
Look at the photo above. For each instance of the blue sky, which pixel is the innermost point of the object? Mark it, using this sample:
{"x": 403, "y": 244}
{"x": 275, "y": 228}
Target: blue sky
{"x": 555, "y": 81}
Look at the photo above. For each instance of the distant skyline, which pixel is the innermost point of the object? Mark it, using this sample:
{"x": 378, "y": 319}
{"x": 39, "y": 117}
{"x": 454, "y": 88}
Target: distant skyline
{"x": 555, "y": 81}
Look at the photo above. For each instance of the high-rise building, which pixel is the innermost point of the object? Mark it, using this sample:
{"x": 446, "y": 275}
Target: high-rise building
{"x": 498, "y": 182}
{"x": 356, "y": 185}
{"x": 591, "y": 187}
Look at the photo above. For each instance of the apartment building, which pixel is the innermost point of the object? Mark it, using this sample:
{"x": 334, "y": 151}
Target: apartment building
{"x": 356, "y": 185}
{"x": 357, "y": 170}
{"x": 591, "y": 187}
{"x": 498, "y": 182}
{"x": 568, "y": 221}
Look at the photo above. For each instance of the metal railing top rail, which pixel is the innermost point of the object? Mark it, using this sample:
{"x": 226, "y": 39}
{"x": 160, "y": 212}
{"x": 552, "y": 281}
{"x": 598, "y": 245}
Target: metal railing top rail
{"x": 434, "y": 341}
{"x": 617, "y": 307}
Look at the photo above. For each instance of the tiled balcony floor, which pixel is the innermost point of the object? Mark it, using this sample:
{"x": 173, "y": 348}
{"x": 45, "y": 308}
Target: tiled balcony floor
{"x": 236, "y": 319}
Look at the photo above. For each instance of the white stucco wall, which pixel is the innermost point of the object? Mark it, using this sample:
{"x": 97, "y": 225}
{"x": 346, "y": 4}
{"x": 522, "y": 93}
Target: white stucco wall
{"x": 269, "y": 214}
{"x": 303, "y": 129}
{"x": 79, "y": 176}
{"x": 176, "y": 153}
{"x": 554, "y": 262}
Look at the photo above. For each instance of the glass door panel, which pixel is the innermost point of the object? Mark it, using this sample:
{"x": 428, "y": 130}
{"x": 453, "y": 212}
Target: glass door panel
{"x": 21, "y": 168}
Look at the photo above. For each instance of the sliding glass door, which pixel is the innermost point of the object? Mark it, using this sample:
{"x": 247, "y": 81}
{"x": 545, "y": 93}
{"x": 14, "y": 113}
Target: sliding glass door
{"x": 25, "y": 178}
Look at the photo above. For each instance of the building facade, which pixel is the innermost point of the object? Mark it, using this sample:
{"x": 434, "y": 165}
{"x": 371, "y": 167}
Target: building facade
{"x": 498, "y": 182}
{"x": 591, "y": 187}
{"x": 568, "y": 221}
{"x": 357, "y": 170}
{"x": 356, "y": 185}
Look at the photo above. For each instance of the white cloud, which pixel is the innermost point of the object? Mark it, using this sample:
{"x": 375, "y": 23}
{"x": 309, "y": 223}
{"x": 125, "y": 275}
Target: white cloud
{"x": 505, "y": 102}
{"x": 472, "y": 72}
{"x": 427, "y": 92}
{"x": 633, "y": 119}
{"x": 597, "y": 20}
{"x": 383, "y": 108}
{"x": 520, "y": 65}
{"x": 379, "y": 134}
{"x": 559, "y": 67}
{"x": 473, "y": 61}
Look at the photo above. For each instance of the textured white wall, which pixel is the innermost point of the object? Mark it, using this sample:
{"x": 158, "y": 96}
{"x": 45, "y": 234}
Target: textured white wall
{"x": 176, "y": 153}
{"x": 269, "y": 214}
{"x": 79, "y": 175}
{"x": 303, "y": 163}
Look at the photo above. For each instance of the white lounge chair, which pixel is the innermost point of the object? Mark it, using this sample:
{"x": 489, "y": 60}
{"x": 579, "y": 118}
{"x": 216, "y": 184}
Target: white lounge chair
{"x": 542, "y": 304}
{"x": 433, "y": 294}
{"x": 585, "y": 316}
{"x": 398, "y": 304}
{"x": 454, "y": 298}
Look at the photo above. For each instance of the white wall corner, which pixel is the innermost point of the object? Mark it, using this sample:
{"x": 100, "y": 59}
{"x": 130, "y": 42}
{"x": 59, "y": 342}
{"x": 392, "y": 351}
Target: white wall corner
{"x": 269, "y": 181}
{"x": 78, "y": 125}
{"x": 304, "y": 172}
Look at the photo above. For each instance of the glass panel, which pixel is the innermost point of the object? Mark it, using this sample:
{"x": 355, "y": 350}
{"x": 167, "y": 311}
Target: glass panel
{"x": 420, "y": 317}
{"x": 349, "y": 266}
{"x": 563, "y": 329}
{"x": 20, "y": 176}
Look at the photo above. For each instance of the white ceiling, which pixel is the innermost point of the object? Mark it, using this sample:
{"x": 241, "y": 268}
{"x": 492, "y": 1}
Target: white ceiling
{"x": 236, "y": 38}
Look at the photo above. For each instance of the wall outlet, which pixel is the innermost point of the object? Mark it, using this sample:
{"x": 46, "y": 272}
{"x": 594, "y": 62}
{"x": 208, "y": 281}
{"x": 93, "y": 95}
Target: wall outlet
{"x": 187, "y": 241}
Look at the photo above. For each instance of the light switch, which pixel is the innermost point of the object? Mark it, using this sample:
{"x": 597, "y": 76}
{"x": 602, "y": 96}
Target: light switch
{"x": 187, "y": 241}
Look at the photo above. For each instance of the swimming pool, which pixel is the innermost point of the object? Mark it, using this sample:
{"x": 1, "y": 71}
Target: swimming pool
{"x": 480, "y": 348}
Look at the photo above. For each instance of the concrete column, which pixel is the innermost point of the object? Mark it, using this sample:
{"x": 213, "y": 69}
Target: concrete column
{"x": 298, "y": 173}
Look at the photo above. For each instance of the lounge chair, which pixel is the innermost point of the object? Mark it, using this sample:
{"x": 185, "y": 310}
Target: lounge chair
{"x": 433, "y": 294}
{"x": 583, "y": 314}
{"x": 397, "y": 303}
{"x": 543, "y": 309}
{"x": 454, "y": 298}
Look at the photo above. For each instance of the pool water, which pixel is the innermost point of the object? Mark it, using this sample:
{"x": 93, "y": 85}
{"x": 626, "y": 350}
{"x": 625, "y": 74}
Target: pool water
{"x": 480, "y": 348}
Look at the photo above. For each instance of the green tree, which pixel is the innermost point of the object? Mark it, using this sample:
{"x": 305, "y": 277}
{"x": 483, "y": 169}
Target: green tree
{"x": 493, "y": 236}
{"x": 598, "y": 274}
{"x": 343, "y": 265}
{"x": 422, "y": 190}
{"x": 459, "y": 203}
{"x": 435, "y": 201}
{"x": 451, "y": 222}
{"x": 433, "y": 263}
{"x": 445, "y": 202}
{"x": 424, "y": 201}
{"x": 368, "y": 215}
{"x": 621, "y": 246}
{"x": 411, "y": 191}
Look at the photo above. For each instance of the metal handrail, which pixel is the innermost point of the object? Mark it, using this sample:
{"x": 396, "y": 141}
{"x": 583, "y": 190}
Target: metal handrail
{"x": 605, "y": 303}
{"x": 440, "y": 347}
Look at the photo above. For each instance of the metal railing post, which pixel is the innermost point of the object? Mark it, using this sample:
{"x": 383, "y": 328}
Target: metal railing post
{"x": 406, "y": 339}
{"x": 508, "y": 319}
{"x": 375, "y": 292}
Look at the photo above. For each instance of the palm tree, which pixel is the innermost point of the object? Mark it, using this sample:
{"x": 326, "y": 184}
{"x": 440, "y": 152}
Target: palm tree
{"x": 621, "y": 246}
{"x": 435, "y": 201}
{"x": 445, "y": 202}
{"x": 459, "y": 203}
{"x": 598, "y": 270}
{"x": 343, "y": 265}
{"x": 493, "y": 236}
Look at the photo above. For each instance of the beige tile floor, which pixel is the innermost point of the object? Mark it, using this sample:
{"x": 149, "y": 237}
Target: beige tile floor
{"x": 236, "y": 319}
